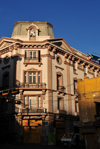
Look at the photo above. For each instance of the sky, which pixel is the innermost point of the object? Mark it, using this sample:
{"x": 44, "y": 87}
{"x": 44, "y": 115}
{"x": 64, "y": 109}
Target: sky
{"x": 77, "y": 21}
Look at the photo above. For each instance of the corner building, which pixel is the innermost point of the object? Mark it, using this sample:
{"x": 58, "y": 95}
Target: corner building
{"x": 45, "y": 72}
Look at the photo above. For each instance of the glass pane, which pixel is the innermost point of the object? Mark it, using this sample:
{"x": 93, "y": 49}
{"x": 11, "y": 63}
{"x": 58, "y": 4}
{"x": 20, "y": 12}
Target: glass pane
{"x": 30, "y": 79}
{"x": 39, "y": 103}
{"x": 29, "y": 103}
{"x": 30, "y": 54}
{"x": 34, "y": 73}
{"x": 38, "y": 73}
{"x": 39, "y": 79}
{"x": 34, "y": 104}
{"x": 34, "y": 79}
{"x": 34, "y": 54}
{"x": 30, "y": 73}
{"x": 24, "y": 101}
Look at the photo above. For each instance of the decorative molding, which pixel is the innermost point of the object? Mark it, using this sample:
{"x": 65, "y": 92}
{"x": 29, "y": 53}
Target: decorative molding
{"x": 59, "y": 67}
{"x": 6, "y": 67}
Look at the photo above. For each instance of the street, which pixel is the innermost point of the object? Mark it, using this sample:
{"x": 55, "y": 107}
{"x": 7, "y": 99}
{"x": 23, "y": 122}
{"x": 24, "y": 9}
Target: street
{"x": 31, "y": 146}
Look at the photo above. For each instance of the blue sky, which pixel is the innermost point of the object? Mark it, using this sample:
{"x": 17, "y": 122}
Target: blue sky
{"x": 77, "y": 21}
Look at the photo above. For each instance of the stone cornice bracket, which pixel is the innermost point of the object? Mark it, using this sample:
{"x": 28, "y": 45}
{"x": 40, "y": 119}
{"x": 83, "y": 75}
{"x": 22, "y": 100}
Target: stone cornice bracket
{"x": 70, "y": 57}
{"x": 73, "y": 58}
{"x": 16, "y": 46}
{"x": 65, "y": 56}
{"x": 53, "y": 51}
{"x": 43, "y": 92}
{"x": 11, "y": 48}
{"x": 83, "y": 63}
{"x": 49, "y": 48}
{"x": 78, "y": 61}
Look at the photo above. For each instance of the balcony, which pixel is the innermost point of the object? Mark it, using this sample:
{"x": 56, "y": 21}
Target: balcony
{"x": 33, "y": 86}
{"x": 30, "y": 110}
{"x": 32, "y": 60}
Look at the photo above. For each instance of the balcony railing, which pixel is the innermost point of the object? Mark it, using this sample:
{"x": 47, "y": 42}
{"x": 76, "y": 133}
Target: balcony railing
{"x": 32, "y": 59}
{"x": 42, "y": 110}
{"x": 61, "y": 88}
{"x": 27, "y": 85}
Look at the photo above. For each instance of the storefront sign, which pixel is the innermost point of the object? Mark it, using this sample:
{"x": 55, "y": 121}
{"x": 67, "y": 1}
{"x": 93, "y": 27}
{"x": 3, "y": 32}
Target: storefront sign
{"x": 25, "y": 123}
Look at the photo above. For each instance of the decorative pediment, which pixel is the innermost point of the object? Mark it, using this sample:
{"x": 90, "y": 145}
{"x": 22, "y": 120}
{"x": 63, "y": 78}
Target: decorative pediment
{"x": 32, "y": 69}
{"x": 5, "y": 44}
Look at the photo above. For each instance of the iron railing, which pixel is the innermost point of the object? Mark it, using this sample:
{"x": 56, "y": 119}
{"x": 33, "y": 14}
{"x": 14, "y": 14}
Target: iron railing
{"x": 61, "y": 88}
{"x": 32, "y": 59}
{"x": 27, "y": 85}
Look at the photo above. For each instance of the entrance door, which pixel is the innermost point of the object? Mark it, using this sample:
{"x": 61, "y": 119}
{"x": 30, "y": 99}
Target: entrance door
{"x": 32, "y": 134}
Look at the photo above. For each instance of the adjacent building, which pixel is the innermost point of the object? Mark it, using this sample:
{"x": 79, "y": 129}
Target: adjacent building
{"x": 38, "y": 82}
{"x": 89, "y": 107}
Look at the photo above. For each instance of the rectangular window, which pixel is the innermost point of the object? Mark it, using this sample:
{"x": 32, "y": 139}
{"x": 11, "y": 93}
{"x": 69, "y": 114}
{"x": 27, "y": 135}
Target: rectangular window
{"x": 30, "y": 78}
{"x": 39, "y": 58}
{"x": 25, "y": 78}
{"x": 75, "y": 86}
{"x": 76, "y": 106}
{"x": 34, "y": 102}
{"x": 39, "y": 102}
{"x": 25, "y": 103}
{"x": 30, "y": 55}
{"x": 30, "y": 103}
{"x": 34, "y": 77}
{"x": 25, "y": 54}
{"x": 38, "y": 77}
{"x": 58, "y": 82}
{"x": 59, "y": 104}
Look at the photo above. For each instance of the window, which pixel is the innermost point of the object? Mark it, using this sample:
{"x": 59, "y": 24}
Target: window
{"x": 32, "y": 77}
{"x": 5, "y": 82}
{"x": 32, "y": 32}
{"x": 60, "y": 82}
{"x": 39, "y": 102}
{"x": 85, "y": 71}
{"x": 25, "y": 77}
{"x": 25, "y": 103}
{"x": 39, "y": 77}
{"x": 32, "y": 102}
{"x": 76, "y": 106}
{"x": 75, "y": 86}
{"x": 58, "y": 59}
{"x": 32, "y": 56}
{"x": 60, "y": 104}
{"x": 74, "y": 67}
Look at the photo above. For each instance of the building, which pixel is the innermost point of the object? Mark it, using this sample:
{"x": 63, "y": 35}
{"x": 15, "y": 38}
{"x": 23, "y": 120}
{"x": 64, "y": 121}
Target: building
{"x": 43, "y": 71}
{"x": 89, "y": 107}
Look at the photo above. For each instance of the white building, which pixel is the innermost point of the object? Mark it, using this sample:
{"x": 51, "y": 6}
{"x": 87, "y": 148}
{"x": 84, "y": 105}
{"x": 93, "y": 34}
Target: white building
{"x": 44, "y": 71}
